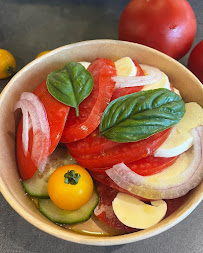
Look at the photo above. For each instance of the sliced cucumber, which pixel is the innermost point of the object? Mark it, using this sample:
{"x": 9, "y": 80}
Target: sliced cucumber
{"x": 57, "y": 215}
{"x": 37, "y": 185}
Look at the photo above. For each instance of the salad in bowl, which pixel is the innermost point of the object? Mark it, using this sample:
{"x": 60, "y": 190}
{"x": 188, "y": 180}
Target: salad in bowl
{"x": 107, "y": 145}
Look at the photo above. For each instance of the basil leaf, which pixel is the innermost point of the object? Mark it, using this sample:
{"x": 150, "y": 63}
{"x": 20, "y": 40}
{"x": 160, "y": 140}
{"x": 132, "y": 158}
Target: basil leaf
{"x": 139, "y": 115}
{"x": 70, "y": 85}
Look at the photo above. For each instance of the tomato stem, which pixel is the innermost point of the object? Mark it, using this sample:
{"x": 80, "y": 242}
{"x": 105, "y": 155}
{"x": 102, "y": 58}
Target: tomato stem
{"x": 71, "y": 177}
{"x": 10, "y": 71}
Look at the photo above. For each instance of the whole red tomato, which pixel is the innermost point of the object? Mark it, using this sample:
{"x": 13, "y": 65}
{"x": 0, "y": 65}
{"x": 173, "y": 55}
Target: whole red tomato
{"x": 166, "y": 25}
{"x": 195, "y": 62}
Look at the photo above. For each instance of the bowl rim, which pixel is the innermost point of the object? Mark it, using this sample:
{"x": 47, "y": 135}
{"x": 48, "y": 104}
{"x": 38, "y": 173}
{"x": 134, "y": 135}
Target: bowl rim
{"x": 89, "y": 239}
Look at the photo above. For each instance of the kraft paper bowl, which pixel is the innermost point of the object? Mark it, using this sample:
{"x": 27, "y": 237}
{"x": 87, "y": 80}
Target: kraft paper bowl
{"x": 35, "y": 72}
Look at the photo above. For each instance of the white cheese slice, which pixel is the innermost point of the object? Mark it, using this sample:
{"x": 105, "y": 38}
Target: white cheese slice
{"x": 171, "y": 174}
{"x": 85, "y": 64}
{"x": 163, "y": 83}
{"x": 136, "y": 214}
{"x": 180, "y": 138}
{"x": 125, "y": 67}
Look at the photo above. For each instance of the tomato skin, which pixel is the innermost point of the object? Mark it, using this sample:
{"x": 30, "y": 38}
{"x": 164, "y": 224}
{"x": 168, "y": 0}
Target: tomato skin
{"x": 56, "y": 115}
{"x": 122, "y": 152}
{"x": 93, "y": 106}
{"x": 195, "y": 61}
{"x": 68, "y": 196}
{"x": 166, "y": 25}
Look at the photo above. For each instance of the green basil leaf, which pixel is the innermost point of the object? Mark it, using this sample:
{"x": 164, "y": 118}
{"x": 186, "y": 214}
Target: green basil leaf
{"x": 70, "y": 85}
{"x": 139, "y": 115}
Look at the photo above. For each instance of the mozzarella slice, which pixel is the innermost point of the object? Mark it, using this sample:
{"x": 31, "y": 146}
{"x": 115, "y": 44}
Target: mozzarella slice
{"x": 125, "y": 67}
{"x": 171, "y": 173}
{"x": 180, "y": 138}
{"x": 85, "y": 64}
{"x": 136, "y": 214}
{"x": 163, "y": 83}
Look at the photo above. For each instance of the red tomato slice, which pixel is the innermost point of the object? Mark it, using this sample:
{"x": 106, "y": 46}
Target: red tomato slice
{"x": 119, "y": 92}
{"x": 92, "y": 144}
{"x": 147, "y": 166}
{"x": 56, "y": 114}
{"x": 171, "y": 87}
{"x": 140, "y": 72}
{"x": 26, "y": 166}
{"x": 122, "y": 152}
{"x": 104, "y": 211}
{"x": 93, "y": 106}
{"x": 151, "y": 165}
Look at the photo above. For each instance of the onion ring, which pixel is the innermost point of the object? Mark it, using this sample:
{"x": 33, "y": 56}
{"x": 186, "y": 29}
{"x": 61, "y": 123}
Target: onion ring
{"x": 33, "y": 108}
{"x": 153, "y": 75}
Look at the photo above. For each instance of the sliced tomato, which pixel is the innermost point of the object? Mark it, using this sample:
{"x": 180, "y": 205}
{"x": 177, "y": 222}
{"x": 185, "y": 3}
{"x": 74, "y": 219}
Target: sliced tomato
{"x": 140, "y": 71}
{"x": 119, "y": 92}
{"x": 26, "y": 166}
{"x": 122, "y": 152}
{"x": 104, "y": 210}
{"x": 56, "y": 114}
{"x": 92, "y": 144}
{"x": 93, "y": 106}
{"x": 151, "y": 165}
{"x": 147, "y": 166}
{"x": 171, "y": 87}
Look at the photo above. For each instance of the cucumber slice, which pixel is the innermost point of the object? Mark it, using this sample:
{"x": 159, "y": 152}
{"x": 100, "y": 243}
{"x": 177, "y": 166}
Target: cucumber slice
{"x": 57, "y": 215}
{"x": 37, "y": 185}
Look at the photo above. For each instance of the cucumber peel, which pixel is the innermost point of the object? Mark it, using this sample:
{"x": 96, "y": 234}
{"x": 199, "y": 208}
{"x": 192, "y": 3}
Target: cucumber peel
{"x": 57, "y": 215}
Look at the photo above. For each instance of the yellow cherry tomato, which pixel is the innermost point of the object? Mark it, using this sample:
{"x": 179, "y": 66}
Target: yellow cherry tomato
{"x": 42, "y": 53}
{"x": 70, "y": 187}
{"x": 7, "y": 64}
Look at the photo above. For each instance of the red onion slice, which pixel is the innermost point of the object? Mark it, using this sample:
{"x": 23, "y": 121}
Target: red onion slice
{"x": 42, "y": 116}
{"x": 153, "y": 75}
{"x": 33, "y": 108}
{"x": 25, "y": 132}
{"x": 165, "y": 189}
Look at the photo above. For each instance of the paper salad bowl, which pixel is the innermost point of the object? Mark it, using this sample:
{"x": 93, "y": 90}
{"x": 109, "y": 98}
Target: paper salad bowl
{"x": 35, "y": 72}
